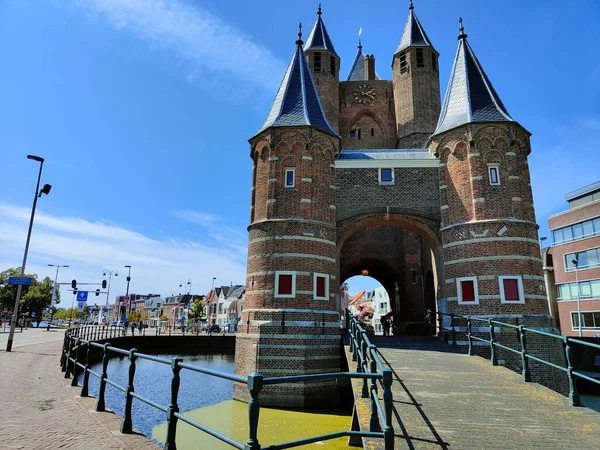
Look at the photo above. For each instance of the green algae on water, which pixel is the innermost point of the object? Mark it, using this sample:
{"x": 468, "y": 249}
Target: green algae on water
{"x": 275, "y": 426}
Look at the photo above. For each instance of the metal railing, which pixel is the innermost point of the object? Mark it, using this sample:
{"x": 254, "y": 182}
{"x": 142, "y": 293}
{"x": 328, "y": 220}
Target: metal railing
{"x": 99, "y": 332}
{"x": 75, "y": 359}
{"x": 522, "y": 332}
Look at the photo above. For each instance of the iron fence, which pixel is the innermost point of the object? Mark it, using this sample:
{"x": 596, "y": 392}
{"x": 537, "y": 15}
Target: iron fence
{"x": 522, "y": 332}
{"x": 80, "y": 341}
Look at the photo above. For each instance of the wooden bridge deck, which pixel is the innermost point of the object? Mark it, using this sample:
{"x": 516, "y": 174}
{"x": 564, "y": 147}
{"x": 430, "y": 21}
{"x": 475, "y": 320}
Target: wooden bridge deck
{"x": 445, "y": 399}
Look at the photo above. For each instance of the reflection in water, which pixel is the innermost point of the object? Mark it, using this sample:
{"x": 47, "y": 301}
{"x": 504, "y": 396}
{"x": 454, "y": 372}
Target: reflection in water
{"x": 153, "y": 381}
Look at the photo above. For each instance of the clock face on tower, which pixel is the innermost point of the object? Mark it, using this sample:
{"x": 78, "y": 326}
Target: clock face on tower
{"x": 364, "y": 94}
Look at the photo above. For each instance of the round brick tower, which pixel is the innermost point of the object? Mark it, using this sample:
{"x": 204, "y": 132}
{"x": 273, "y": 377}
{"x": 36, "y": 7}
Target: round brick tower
{"x": 290, "y": 322}
{"x": 492, "y": 261}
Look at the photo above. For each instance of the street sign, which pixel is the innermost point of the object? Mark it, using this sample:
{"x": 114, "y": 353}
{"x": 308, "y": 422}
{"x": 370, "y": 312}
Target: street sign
{"x": 32, "y": 313}
{"x": 24, "y": 281}
{"x": 80, "y": 306}
{"x": 82, "y": 296}
{"x": 183, "y": 318}
{"x": 104, "y": 319}
{"x": 105, "y": 309}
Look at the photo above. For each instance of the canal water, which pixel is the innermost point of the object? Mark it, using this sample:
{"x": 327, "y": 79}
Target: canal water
{"x": 208, "y": 400}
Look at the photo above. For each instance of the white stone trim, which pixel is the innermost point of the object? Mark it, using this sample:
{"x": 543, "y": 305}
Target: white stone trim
{"x": 273, "y": 158}
{"x": 311, "y": 337}
{"x": 516, "y": 199}
{"x": 305, "y": 200}
{"x": 511, "y": 154}
{"x": 443, "y": 207}
{"x": 492, "y": 258}
{"x": 514, "y": 177}
{"x": 272, "y": 200}
{"x": 450, "y": 281}
{"x": 519, "y": 279}
{"x": 533, "y": 277}
{"x": 443, "y": 186}
{"x": 490, "y": 239}
{"x": 477, "y": 178}
{"x": 296, "y": 323}
{"x": 473, "y": 154}
{"x": 459, "y": 290}
{"x": 479, "y": 200}
{"x": 291, "y": 255}
{"x": 332, "y": 207}
{"x": 292, "y": 238}
{"x": 272, "y": 180}
{"x": 299, "y": 310}
{"x": 306, "y": 180}
{"x": 272, "y": 272}
{"x": 284, "y": 272}
{"x": 307, "y": 158}
{"x": 487, "y": 277}
{"x": 508, "y": 219}
{"x": 388, "y": 163}
{"x": 299, "y": 346}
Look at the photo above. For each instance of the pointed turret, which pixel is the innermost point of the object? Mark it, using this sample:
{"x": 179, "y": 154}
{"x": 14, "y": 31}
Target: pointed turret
{"x": 357, "y": 70}
{"x": 470, "y": 96}
{"x": 319, "y": 39}
{"x": 416, "y": 85}
{"x": 325, "y": 65}
{"x": 413, "y": 35}
{"x": 297, "y": 102}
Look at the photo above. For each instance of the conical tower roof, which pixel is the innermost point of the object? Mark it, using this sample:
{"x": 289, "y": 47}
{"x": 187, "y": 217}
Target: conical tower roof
{"x": 357, "y": 70}
{"x": 413, "y": 35}
{"x": 319, "y": 39}
{"x": 297, "y": 102}
{"x": 470, "y": 96}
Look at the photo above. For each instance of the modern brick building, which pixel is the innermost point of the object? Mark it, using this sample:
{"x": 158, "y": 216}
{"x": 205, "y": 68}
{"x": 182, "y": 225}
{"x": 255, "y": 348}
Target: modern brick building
{"x": 433, "y": 199}
{"x": 576, "y": 259}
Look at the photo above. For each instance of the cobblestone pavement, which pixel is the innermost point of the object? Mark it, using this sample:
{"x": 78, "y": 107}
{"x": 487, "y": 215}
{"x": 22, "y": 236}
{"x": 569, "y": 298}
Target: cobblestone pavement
{"x": 449, "y": 400}
{"x": 40, "y": 410}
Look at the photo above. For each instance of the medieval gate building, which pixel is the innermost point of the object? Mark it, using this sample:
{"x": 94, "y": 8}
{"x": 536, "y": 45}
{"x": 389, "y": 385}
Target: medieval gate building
{"x": 433, "y": 199}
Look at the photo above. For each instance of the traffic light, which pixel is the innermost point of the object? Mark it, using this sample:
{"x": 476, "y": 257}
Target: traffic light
{"x": 97, "y": 292}
{"x": 73, "y": 284}
{"x": 103, "y": 284}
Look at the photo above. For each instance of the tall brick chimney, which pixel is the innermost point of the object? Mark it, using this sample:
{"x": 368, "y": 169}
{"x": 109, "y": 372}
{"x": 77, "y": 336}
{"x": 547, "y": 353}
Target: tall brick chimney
{"x": 369, "y": 67}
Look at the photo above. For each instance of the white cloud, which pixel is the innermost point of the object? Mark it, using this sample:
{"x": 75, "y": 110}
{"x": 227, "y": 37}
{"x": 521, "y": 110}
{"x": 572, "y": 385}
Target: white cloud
{"x": 89, "y": 247}
{"x": 213, "y": 47}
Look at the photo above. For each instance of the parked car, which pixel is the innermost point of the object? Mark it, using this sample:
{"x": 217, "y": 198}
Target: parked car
{"x": 214, "y": 328}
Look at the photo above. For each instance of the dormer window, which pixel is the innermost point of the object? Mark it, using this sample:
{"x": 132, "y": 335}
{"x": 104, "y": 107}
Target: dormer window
{"x": 317, "y": 62}
{"x": 403, "y": 63}
{"x": 420, "y": 58}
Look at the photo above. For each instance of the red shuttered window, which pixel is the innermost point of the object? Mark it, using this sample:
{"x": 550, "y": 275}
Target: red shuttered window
{"x": 285, "y": 285}
{"x": 511, "y": 290}
{"x": 468, "y": 291}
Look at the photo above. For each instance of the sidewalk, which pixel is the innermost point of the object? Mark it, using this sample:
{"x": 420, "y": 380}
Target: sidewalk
{"x": 40, "y": 410}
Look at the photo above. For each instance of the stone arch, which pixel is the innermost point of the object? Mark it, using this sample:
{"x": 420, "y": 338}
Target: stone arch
{"x": 372, "y": 130}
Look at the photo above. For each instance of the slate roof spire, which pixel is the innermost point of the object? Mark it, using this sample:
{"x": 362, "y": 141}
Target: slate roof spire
{"x": 413, "y": 35}
{"x": 357, "y": 70}
{"x": 319, "y": 39}
{"x": 470, "y": 96}
{"x": 297, "y": 102}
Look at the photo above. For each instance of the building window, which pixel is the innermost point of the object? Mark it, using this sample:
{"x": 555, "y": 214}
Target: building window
{"x": 332, "y": 65}
{"x": 317, "y": 62}
{"x": 420, "y": 58}
{"x": 467, "y": 291}
{"x": 290, "y": 177}
{"x": 321, "y": 286}
{"x": 580, "y": 230}
{"x": 285, "y": 284}
{"x": 386, "y": 176}
{"x": 585, "y": 260}
{"x": 403, "y": 63}
{"x": 494, "y": 173}
{"x": 587, "y": 289}
{"x": 355, "y": 133}
{"x": 434, "y": 61}
{"x": 590, "y": 320}
{"x": 511, "y": 289}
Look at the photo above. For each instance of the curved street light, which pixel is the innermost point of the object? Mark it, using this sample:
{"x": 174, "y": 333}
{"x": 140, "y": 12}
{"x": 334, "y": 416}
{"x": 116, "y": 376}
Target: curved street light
{"x": 185, "y": 285}
{"x": 109, "y": 273}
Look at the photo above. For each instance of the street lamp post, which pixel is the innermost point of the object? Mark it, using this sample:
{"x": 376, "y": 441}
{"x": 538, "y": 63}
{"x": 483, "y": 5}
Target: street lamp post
{"x": 127, "y": 291}
{"x": 110, "y": 273}
{"x": 185, "y": 285}
{"x": 58, "y": 266}
{"x": 578, "y": 296}
{"x": 38, "y": 193}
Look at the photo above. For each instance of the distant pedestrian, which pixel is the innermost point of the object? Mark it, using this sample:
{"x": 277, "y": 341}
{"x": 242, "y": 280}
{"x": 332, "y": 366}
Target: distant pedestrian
{"x": 132, "y": 328}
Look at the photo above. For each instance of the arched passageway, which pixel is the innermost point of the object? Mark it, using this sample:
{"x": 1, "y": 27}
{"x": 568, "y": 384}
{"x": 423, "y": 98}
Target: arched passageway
{"x": 398, "y": 253}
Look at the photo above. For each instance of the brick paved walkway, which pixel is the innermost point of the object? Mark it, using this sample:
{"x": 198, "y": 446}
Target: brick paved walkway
{"x": 449, "y": 400}
{"x": 40, "y": 410}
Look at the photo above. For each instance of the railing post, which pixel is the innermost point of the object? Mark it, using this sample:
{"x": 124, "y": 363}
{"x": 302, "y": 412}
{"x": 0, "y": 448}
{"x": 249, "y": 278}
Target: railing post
{"x": 453, "y": 329}
{"x": 524, "y": 361}
{"x": 364, "y": 366}
{"x": 428, "y": 319}
{"x": 573, "y": 394}
{"x": 350, "y": 325}
{"x": 174, "y": 406}
{"x": 255, "y": 385}
{"x": 374, "y": 423}
{"x": 388, "y": 403}
{"x": 69, "y": 350}
{"x": 75, "y": 366}
{"x": 440, "y": 326}
{"x": 469, "y": 338}
{"x": 493, "y": 358}
{"x": 63, "y": 356}
{"x": 100, "y": 405}
{"x": 126, "y": 425}
{"x": 86, "y": 372}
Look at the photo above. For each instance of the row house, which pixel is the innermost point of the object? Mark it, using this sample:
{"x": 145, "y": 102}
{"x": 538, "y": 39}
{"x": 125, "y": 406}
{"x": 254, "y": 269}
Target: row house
{"x": 152, "y": 307}
{"x": 225, "y": 304}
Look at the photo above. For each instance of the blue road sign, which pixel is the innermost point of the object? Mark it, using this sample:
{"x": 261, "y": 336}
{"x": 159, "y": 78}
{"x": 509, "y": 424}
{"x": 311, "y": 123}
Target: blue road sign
{"x": 25, "y": 281}
{"x": 105, "y": 309}
{"x": 80, "y": 306}
{"x": 82, "y": 296}
{"x": 104, "y": 319}
{"x": 32, "y": 313}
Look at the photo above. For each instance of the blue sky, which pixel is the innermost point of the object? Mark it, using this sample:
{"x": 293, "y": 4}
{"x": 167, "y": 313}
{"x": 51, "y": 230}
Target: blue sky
{"x": 143, "y": 109}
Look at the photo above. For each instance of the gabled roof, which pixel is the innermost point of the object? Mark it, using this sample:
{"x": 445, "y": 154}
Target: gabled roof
{"x": 470, "y": 96}
{"x": 357, "y": 71}
{"x": 413, "y": 35}
{"x": 319, "y": 39}
{"x": 297, "y": 102}
{"x": 235, "y": 292}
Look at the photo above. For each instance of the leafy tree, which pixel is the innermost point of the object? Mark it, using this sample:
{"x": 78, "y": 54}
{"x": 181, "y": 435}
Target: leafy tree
{"x": 35, "y": 298}
{"x": 198, "y": 310}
